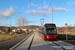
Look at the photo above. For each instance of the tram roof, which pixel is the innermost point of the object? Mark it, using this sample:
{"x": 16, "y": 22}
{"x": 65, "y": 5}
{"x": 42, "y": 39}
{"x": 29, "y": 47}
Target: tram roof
{"x": 49, "y": 24}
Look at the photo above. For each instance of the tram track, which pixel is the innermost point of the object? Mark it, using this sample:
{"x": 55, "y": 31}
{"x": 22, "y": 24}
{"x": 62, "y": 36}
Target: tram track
{"x": 58, "y": 45}
{"x": 40, "y": 44}
{"x": 55, "y": 44}
{"x": 18, "y": 44}
{"x": 31, "y": 43}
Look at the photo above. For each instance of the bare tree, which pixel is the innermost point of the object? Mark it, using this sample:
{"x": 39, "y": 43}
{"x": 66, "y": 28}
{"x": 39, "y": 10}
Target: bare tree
{"x": 74, "y": 25}
{"x": 69, "y": 28}
{"x": 21, "y": 21}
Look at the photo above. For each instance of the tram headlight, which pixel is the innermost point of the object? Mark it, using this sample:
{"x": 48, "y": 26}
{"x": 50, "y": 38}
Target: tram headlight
{"x": 47, "y": 37}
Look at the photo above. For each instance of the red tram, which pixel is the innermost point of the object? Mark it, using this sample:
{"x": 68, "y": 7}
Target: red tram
{"x": 48, "y": 32}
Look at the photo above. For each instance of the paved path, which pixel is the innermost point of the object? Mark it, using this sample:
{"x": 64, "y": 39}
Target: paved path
{"x": 39, "y": 44}
{"x": 25, "y": 45}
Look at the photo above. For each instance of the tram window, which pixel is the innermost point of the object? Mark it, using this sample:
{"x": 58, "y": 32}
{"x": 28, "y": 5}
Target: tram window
{"x": 51, "y": 30}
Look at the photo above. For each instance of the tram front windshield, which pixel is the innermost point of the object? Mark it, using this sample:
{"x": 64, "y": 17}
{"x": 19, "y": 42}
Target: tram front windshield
{"x": 50, "y": 30}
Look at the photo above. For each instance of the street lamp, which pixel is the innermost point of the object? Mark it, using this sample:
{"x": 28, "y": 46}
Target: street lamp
{"x": 43, "y": 21}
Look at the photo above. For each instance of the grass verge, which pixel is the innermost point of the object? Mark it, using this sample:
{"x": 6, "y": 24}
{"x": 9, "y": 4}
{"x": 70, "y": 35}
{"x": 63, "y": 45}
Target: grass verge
{"x": 7, "y": 37}
{"x": 71, "y": 38}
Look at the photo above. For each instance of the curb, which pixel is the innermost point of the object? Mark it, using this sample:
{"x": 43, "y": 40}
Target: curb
{"x": 12, "y": 48}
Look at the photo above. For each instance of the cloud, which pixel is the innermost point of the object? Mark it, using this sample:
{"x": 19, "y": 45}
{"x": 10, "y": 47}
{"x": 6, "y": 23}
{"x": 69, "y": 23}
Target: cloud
{"x": 35, "y": 12}
{"x": 43, "y": 13}
{"x": 9, "y": 12}
{"x": 19, "y": 12}
{"x": 44, "y": 7}
{"x": 44, "y": 2}
{"x": 58, "y": 9}
{"x": 34, "y": 5}
{"x": 70, "y": 3}
{"x": 73, "y": 2}
{"x": 61, "y": 9}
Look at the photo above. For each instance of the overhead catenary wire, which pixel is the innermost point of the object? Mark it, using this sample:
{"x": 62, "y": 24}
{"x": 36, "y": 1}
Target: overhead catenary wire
{"x": 30, "y": 7}
{"x": 47, "y": 9}
{"x": 52, "y": 8}
{"x": 49, "y": 4}
{"x": 59, "y": 2}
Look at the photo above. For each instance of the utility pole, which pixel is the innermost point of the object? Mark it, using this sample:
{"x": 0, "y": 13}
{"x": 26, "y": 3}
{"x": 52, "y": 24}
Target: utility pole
{"x": 52, "y": 14}
{"x": 10, "y": 23}
{"x": 10, "y": 26}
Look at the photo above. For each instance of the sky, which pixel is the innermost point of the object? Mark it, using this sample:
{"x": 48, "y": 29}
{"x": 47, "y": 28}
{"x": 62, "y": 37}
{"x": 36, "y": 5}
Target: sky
{"x": 34, "y": 10}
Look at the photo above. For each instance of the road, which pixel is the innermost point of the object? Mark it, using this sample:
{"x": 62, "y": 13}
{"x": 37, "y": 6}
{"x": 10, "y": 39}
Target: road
{"x": 35, "y": 42}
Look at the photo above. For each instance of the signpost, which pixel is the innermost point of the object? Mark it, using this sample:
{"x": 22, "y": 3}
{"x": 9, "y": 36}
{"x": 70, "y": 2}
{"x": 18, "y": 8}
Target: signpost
{"x": 66, "y": 31}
